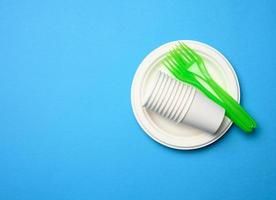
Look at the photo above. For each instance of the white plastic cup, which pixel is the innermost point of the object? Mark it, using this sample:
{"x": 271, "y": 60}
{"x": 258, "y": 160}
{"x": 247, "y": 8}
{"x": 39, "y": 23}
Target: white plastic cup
{"x": 182, "y": 103}
{"x": 204, "y": 114}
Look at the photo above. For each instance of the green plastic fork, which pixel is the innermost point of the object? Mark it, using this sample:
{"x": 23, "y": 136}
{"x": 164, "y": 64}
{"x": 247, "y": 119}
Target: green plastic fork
{"x": 195, "y": 81}
{"x": 194, "y": 57}
{"x": 179, "y": 62}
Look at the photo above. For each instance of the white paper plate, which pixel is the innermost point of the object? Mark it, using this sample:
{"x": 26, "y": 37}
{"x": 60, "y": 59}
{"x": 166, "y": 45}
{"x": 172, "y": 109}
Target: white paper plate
{"x": 164, "y": 131}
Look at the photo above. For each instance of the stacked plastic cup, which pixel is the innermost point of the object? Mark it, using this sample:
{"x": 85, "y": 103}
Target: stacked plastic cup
{"x": 182, "y": 103}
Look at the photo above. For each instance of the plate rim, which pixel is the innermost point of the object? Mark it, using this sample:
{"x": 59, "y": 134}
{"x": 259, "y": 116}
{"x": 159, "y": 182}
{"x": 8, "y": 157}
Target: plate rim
{"x": 145, "y": 129}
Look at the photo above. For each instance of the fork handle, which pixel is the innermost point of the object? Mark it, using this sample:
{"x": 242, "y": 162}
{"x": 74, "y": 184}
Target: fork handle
{"x": 232, "y": 114}
{"x": 235, "y": 107}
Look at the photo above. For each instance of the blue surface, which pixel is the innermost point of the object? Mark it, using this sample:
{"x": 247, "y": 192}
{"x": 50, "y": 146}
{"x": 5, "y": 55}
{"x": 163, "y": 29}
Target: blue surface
{"x": 66, "y": 126}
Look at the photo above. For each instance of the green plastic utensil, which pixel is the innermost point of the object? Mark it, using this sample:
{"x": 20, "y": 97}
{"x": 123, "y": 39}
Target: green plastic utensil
{"x": 203, "y": 72}
{"x": 181, "y": 59}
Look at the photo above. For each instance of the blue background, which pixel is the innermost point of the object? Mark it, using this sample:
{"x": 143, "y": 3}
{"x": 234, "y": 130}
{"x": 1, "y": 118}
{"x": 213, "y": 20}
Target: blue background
{"x": 67, "y": 130}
